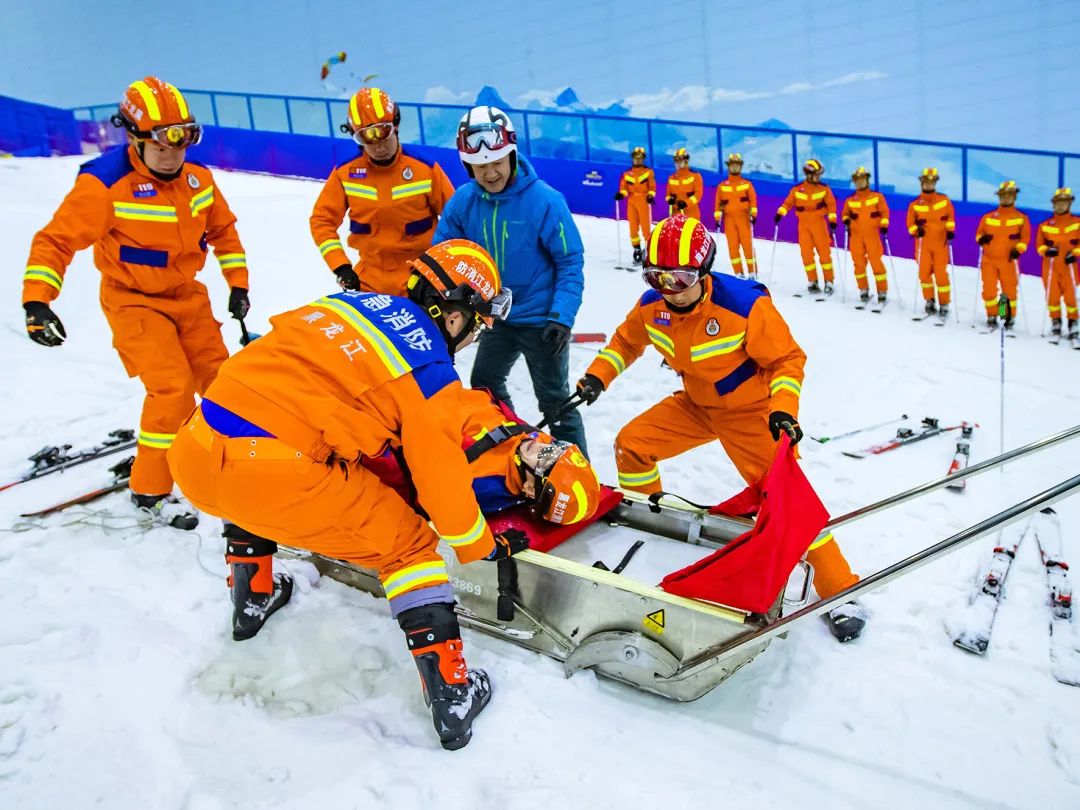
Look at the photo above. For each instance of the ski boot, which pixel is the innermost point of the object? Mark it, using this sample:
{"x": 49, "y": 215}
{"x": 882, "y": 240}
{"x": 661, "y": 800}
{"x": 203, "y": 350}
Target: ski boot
{"x": 1008, "y": 326}
{"x": 881, "y": 298}
{"x": 847, "y": 621}
{"x": 943, "y": 313}
{"x": 1055, "y": 328}
{"x": 864, "y": 296}
{"x": 931, "y": 307}
{"x": 813, "y": 288}
{"x": 828, "y": 288}
{"x": 1074, "y": 332}
{"x": 166, "y": 510}
{"x": 455, "y": 694}
{"x": 991, "y": 323}
{"x": 256, "y": 590}
{"x": 637, "y": 256}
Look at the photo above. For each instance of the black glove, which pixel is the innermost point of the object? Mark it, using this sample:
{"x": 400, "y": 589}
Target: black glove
{"x": 1014, "y": 254}
{"x": 558, "y": 335}
{"x": 1050, "y": 251}
{"x": 670, "y": 199}
{"x": 884, "y": 230}
{"x": 347, "y": 277}
{"x": 650, "y": 197}
{"x": 950, "y": 235}
{"x": 853, "y": 215}
{"x": 985, "y": 239}
{"x": 920, "y": 232}
{"x": 42, "y": 324}
{"x": 619, "y": 195}
{"x": 239, "y": 303}
{"x": 589, "y": 388}
{"x": 681, "y": 205}
{"x": 786, "y": 423}
{"x": 508, "y": 543}
{"x": 778, "y": 217}
{"x": 753, "y": 219}
{"x": 1070, "y": 259}
{"x": 832, "y": 228}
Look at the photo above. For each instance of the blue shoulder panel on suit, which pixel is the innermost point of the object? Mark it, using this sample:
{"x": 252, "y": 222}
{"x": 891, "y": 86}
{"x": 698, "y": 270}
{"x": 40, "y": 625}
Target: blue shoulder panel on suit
{"x": 736, "y": 295}
{"x": 110, "y": 168}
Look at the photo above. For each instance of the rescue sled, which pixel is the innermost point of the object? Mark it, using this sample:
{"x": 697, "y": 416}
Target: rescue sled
{"x": 556, "y": 603}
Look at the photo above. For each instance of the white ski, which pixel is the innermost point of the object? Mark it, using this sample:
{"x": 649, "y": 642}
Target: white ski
{"x": 1064, "y": 643}
{"x": 879, "y": 306}
{"x": 971, "y": 629}
{"x": 961, "y": 457}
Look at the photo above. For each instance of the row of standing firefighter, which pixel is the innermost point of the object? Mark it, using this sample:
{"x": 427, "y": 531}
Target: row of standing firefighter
{"x": 346, "y": 430}
{"x": 1003, "y": 235}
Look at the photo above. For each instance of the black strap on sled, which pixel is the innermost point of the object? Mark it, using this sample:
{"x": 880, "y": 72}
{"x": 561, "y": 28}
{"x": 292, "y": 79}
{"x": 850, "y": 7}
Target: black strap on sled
{"x": 493, "y": 439}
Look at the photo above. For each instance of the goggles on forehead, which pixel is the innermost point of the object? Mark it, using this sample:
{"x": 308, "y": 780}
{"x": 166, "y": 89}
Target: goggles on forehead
{"x": 670, "y": 280}
{"x": 485, "y": 136}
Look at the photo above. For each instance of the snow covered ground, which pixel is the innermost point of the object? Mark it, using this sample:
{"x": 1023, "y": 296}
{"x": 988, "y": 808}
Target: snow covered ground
{"x": 121, "y": 688}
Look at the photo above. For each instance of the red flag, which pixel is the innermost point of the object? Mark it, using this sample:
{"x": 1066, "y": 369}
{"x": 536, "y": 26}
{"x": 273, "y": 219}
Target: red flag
{"x": 750, "y": 571}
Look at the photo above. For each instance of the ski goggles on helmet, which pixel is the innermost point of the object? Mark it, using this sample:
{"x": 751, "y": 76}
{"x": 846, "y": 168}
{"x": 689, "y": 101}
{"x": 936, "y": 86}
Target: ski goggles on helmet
{"x": 670, "y": 281}
{"x": 171, "y": 136}
{"x": 373, "y": 133}
{"x": 492, "y": 137}
{"x": 487, "y": 312}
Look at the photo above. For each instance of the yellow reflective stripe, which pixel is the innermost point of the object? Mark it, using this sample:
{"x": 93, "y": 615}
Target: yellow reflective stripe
{"x": 159, "y": 441}
{"x": 992, "y": 221}
{"x": 715, "y": 348}
{"x": 642, "y": 178}
{"x": 227, "y": 260}
{"x": 880, "y": 277}
{"x": 810, "y": 266}
{"x": 354, "y": 110}
{"x": 144, "y": 212}
{"x": 912, "y": 229}
{"x": 1015, "y": 221}
{"x": 480, "y": 256}
{"x": 204, "y": 199}
{"x": 1072, "y": 227}
{"x": 818, "y": 196}
{"x": 884, "y": 220}
{"x": 726, "y": 188}
{"x": 614, "y": 358}
{"x": 821, "y": 540}
{"x": 360, "y": 190}
{"x": 940, "y": 204}
{"x": 800, "y": 196}
{"x": 785, "y": 383}
{"x": 457, "y": 541}
{"x": 737, "y": 260}
{"x": 928, "y": 285}
{"x": 413, "y": 577}
{"x": 410, "y": 189}
{"x": 873, "y": 201}
{"x": 990, "y": 301}
{"x": 582, "y": 502}
{"x": 639, "y": 479}
{"x": 1050, "y": 229}
{"x": 181, "y": 102}
{"x": 147, "y": 95}
{"x": 944, "y": 289}
{"x": 743, "y": 187}
{"x": 685, "y": 238}
{"x": 654, "y": 240}
{"x": 328, "y": 245}
{"x": 385, "y": 350}
{"x": 660, "y": 340}
{"x": 39, "y": 272}
{"x": 781, "y": 211}
{"x": 855, "y": 204}
{"x": 1021, "y": 246}
{"x": 860, "y": 276}
{"x": 950, "y": 225}
{"x": 376, "y": 102}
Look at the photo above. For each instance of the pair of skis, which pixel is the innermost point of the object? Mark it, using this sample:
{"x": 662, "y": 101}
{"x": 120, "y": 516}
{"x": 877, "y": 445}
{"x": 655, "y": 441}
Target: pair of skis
{"x": 49, "y": 460}
{"x": 973, "y": 628}
{"x": 905, "y": 436}
{"x": 874, "y": 306}
{"x": 121, "y": 473}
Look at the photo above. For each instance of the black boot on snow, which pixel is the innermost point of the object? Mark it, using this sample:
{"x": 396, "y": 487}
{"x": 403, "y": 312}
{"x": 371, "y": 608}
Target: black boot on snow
{"x": 637, "y": 255}
{"x": 167, "y": 510}
{"x": 455, "y": 694}
{"x": 1008, "y": 324}
{"x": 1074, "y": 332}
{"x": 257, "y": 592}
{"x": 847, "y": 621}
{"x": 943, "y": 312}
{"x": 991, "y": 322}
{"x": 931, "y": 307}
{"x": 1055, "y": 327}
{"x": 864, "y": 295}
{"x": 881, "y": 297}
{"x": 828, "y": 288}
{"x": 813, "y": 288}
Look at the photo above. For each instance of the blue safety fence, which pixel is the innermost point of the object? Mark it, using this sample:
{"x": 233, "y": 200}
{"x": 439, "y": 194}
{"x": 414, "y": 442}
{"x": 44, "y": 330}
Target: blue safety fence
{"x": 969, "y": 172}
{"x": 35, "y": 130}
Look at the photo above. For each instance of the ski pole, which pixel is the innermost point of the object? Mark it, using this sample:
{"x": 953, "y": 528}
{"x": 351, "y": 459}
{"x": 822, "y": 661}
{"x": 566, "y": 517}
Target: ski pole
{"x": 1004, "y": 314}
{"x": 895, "y": 277}
{"x": 978, "y": 278}
{"x": 918, "y": 275}
{"x": 825, "y": 439}
{"x": 772, "y": 255}
{"x": 753, "y": 251}
{"x": 1048, "y": 280}
{"x": 618, "y": 233}
{"x": 839, "y": 268}
{"x": 1019, "y": 300}
{"x": 569, "y": 404}
{"x": 949, "y": 276}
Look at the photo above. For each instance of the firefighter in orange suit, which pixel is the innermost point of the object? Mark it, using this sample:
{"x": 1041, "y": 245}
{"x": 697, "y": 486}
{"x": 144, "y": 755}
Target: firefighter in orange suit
{"x": 742, "y": 375}
{"x": 866, "y": 217}
{"x": 932, "y": 221}
{"x": 684, "y": 187}
{"x": 1059, "y": 244}
{"x": 638, "y": 186}
{"x": 1004, "y": 235}
{"x": 736, "y": 208}
{"x": 392, "y": 201}
{"x": 150, "y": 217}
{"x": 815, "y": 206}
{"x": 274, "y": 449}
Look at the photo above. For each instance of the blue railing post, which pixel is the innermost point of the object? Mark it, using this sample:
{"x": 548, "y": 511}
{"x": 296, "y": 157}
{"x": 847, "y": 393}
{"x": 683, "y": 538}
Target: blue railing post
{"x": 288, "y": 114}
{"x": 585, "y": 134}
{"x": 251, "y": 112}
{"x": 420, "y": 123}
{"x": 719, "y": 151}
{"x": 794, "y": 158}
{"x": 963, "y": 173}
{"x": 877, "y": 175}
{"x": 213, "y": 109}
{"x": 1061, "y": 171}
{"x": 330, "y": 119}
{"x": 648, "y": 138}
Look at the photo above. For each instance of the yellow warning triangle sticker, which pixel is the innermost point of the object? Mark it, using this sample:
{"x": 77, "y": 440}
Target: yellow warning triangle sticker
{"x": 655, "y": 621}
{"x": 657, "y": 617}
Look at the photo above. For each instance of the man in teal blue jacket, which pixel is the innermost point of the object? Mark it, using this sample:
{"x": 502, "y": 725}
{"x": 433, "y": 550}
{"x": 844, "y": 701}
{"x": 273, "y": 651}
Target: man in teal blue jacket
{"x": 526, "y": 226}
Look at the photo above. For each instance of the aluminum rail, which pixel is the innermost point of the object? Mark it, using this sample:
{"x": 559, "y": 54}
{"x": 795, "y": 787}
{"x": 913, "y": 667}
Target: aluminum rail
{"x": 887, "y": 575}
{"x": 976, "y": 469}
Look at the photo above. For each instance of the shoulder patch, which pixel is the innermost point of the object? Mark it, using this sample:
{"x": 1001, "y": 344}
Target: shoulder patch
{"x": 408, "y": 328}
{"x": 434, "y": 377}
{"x": 736, "y": 295}
{"x": 650, "y": 297}
{"x": 110, "y": 168}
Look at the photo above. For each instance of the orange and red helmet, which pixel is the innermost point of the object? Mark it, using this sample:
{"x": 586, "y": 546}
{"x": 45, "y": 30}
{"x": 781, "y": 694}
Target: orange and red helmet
{"x": 681, "y": 154}
{"x": 567, "y": 489}
{"x": 460, "y": 272}
{"x": 155, "y": 110}
{"x": 373, "y": 116}
{"x": 680, "y": 252}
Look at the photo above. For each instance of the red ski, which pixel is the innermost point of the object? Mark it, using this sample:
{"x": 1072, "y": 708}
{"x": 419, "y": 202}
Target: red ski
{"x": 905, "y": 436}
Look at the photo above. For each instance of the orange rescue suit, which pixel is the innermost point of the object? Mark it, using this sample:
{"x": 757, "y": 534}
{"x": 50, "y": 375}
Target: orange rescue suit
{"x": 866, "y": 213}
{"x": 687, "y": 186}
{"x": 736, "y": 205}
{"x": 935, "y": 215}
{"x": 815, "y": 206}
{"x": 638, "y": 183}
{"x": 1062, "y": 232}
{"x": 392, "y": 212}
{"x": 738, "y": 362}
{"x": 1010, "y": 230}
{"x": 150, "y": 238}
{"x": 277, "y": 449}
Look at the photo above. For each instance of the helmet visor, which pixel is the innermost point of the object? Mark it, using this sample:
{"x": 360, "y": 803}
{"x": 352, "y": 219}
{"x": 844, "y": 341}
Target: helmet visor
{"x": 373, "y": 133}
{"x": 492, "y": 137}
{"x": 176, "y": 136}
{"x": 497, "y": 309}
{"x": 670, "y": 281}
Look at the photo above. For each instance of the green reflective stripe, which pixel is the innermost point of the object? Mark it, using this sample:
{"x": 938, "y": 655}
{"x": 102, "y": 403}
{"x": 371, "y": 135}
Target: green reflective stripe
{"x": 457, "y": 541}
{"x": 204, "y": 199}
{"x": 614, "y": 358}
{"x": 715, "y": 348}
{"x": 413, "y": 577}
{"x": 361, "y": 191}
{"x": 159, "y": 441}
{"x": 227, "y": 260}
{"x": 145, "y": 213}
{"x": 385, "y": 350}
{"x": 39, "y": 272}
{"x": 639, "y": 479}
{"x": 660, "y": 340}
{"x": 328, "y": 245}
{"x": 410, "y": 189}
{"x": 785, "y": 383}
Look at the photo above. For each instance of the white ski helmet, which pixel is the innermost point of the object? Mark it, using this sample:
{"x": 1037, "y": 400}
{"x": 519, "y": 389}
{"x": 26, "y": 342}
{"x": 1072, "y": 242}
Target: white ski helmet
{"x": 486, "y": 134}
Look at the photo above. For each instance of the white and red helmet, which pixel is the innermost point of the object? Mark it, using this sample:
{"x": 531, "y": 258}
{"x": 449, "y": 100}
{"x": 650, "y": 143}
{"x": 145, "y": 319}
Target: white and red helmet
{"x": 485, "y": 134}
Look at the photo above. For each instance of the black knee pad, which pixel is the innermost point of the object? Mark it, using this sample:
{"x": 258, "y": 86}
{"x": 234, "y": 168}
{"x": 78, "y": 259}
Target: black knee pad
{"x": 429, "y": 624}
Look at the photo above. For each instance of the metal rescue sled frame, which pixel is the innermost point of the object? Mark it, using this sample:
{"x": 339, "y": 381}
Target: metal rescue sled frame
{"x": 672, "y": 646}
